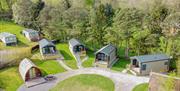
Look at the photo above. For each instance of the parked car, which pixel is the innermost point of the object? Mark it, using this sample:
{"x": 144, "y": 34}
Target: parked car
{"x": 49, "y": 78}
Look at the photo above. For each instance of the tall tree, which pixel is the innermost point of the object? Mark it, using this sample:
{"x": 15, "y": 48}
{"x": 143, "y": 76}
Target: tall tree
{"x": 99, "y": 20}
{"x": 25, "y": 12}
{"x": 126, "y": 22}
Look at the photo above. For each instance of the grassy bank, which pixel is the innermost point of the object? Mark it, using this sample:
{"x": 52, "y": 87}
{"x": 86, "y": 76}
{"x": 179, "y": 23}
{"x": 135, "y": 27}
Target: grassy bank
{"x": 69, "y": 59}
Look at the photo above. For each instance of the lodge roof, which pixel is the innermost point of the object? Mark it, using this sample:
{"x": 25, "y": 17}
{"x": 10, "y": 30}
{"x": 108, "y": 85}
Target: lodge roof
{"x": 45, "y": 42}
{"x": 6, "y": 34}
{"x": 29, "y": 30}
{"x": 151, "y": 58}
{"x": 106, "y": 49}
{"x": 74, "y": 42}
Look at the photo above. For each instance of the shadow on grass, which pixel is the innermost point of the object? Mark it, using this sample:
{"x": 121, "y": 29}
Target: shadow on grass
{"x": 66, "y": 55}
{"x": 121, "y": 64}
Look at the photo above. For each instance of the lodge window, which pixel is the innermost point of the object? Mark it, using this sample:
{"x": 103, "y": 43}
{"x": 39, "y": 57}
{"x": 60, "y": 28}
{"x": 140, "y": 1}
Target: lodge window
{"x": 32, "y": 34}
{"x": 10, "y": 39}
{"x": 101, "y": 57}
{"x": 143, "y": 67}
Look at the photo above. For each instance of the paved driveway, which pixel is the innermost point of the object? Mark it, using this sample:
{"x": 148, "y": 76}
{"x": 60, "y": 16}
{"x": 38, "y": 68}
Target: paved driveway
{"x": 123, "y": 82}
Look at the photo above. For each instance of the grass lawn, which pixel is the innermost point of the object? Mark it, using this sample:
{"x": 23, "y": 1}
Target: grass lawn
{"x": 69, "y": 59}
{"x": 90, "y": 61}
{"x": 10, "y": 78}
{"x": 14, "y": 29}
{"x": 49, "y": 66}
{"x": 120, "y": 65}
{"x": 141, "y": 87}
{"x": 85, "y": 83}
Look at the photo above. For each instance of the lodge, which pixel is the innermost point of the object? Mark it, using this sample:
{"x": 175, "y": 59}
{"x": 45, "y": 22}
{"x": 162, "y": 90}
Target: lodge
{"x": 144, "y": 64}
{"x": 8, "y": 39}
{"x": 47, "y": 47}
{"x": 106, "y": 56}
{"x": 28, "y": 70}
{"x": 31, "y": 35}
{"x": 77, "y": 47}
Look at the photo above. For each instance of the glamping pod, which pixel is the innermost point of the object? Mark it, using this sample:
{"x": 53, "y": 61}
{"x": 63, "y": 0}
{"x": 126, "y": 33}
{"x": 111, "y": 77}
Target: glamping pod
{"x": 31, "y": 35}
{"x": 76, "y": 47}
{"x": 47, "y": 47}
{"x": 28, "y": 70}
{"x": 8, "y": 39}
{"x": 143, "y": 65}
{"x": 106, "y": 56}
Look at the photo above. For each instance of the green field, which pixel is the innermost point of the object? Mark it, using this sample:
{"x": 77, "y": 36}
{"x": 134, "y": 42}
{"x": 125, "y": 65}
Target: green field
{"x": 90, "y": 61}
{"x": 10, "y": 78}
{"x": 141, "y": 87}
{"x": 14, "y": 29}
{"x": 85, "y": 83}
{"x": 69, "y": 59}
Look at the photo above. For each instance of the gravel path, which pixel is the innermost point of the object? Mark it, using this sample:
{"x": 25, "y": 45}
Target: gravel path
{"x": 123, "y": 82}
{"x": 78, "y": 60}
{"x": 64, "y": 65}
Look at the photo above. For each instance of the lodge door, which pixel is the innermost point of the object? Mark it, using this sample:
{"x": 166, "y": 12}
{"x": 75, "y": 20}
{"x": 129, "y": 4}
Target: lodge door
{"x": 101, "y": 57}
{"x": 32, "y": 73}
{"x": 134, "y": 61}
{"x": 52, "y": 50}
{"x": 79, "y": 48}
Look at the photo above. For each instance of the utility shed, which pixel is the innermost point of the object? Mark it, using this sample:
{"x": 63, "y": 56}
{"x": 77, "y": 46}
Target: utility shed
{"x": 144, "y": 64}
{"x": 8, "y": 39}
{"x": 28, "y": 70}
{"x": 31, "y": 35}
{"x": 47, "y": 47}
{"x": 77, "y": 47}
{"x": 106, "y": 56}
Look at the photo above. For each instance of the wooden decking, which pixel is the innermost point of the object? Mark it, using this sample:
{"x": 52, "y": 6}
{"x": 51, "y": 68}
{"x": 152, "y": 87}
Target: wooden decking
{"x": 53, "y": 56}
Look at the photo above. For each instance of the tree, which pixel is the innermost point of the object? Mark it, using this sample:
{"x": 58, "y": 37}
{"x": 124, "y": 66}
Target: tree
{"x": 76, "y": 20}
{"x": 64, "y": 25}
{"x": 25, "y": 12}
{"x": 171, "y": 32}
{"x": 126, "y": 22}
{"x": 100, "y": 19}
{"x": 157, "y": 13}
{"x": 50, "y": 20}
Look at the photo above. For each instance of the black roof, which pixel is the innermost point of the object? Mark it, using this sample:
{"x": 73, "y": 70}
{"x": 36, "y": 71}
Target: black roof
{"x": 74, "y": 42}
{"x": 45, "y": 42}
{"x": 106, "y": 49}
{"x": 29, "y": 30}
{"x": 151, "y": 58}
